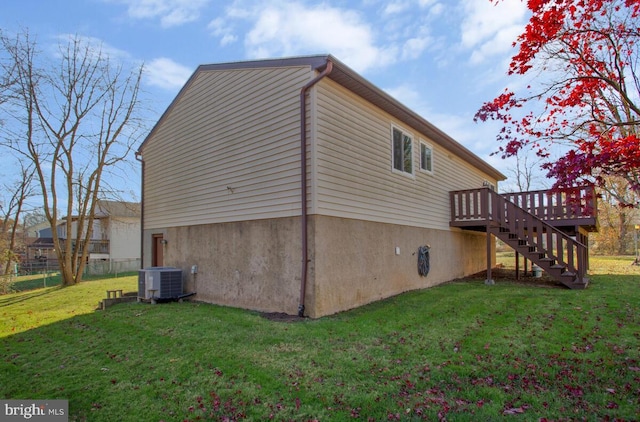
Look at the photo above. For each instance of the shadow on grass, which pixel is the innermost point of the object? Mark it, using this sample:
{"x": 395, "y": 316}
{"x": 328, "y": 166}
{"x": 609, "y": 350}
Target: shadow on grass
{"x": 13, "y": 299}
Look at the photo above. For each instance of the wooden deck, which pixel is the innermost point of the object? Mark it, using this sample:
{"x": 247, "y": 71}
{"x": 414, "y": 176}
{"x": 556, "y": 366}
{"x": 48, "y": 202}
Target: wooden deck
{"x": 549, "y": 228}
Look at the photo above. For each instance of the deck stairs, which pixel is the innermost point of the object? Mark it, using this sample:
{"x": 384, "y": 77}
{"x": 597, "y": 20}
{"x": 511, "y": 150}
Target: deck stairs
{"x": 561, "y": 252}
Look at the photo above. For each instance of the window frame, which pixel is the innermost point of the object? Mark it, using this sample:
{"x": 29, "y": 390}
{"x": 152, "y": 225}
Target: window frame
{"x": 428, "y": 146}
{"x": 403, "y": 133}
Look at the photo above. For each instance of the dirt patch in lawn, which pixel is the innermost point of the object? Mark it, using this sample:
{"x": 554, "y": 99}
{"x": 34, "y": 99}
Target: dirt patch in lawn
{"x": 509, "y": 274}
{"x": 281, "y": 317}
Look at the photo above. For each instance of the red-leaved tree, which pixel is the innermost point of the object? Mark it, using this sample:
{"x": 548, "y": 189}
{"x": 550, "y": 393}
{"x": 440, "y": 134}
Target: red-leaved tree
{"x": 583, "y": 56}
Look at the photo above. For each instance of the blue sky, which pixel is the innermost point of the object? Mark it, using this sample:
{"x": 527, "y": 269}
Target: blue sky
{"x": 441, "y": 58}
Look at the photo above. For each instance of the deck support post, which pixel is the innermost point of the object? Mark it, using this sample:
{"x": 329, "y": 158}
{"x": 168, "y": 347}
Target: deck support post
{"x": 518, "y": 265}
{"x": 489, "y": 280}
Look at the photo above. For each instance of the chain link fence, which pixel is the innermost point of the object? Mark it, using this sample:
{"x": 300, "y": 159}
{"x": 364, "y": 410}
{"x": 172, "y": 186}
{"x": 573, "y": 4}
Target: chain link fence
{"x": 27, "y": 277}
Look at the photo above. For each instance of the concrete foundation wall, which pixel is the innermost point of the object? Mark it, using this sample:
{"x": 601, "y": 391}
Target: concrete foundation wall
{"x": 356, "y": 262}
{"x": 256, "y": 264}
{"x": 250, "y": 264}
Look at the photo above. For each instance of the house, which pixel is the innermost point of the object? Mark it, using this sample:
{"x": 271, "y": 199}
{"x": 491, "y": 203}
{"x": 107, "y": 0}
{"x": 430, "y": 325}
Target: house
{"x": 114, "y": 246}
{"x": 117, "y": 230}
{"x": 257, "y": 221}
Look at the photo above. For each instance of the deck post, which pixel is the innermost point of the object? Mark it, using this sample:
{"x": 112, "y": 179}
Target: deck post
{"x": 489, "y": 280}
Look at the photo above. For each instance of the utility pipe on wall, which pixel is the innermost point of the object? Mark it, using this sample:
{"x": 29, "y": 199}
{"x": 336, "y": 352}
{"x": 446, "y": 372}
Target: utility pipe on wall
{"x": 139, "y": 157}
{"x": 303, "y": 180}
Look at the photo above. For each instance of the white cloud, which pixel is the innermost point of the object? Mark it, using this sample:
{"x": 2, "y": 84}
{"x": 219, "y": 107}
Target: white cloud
{"x": 170, "y": 12}
{"x": 407, "y": 95}
{"x": 220, "y": 28}
{"x": 436, "y": 10}
{"x": 378, "y": 34}
{"x": 166, "y": 74}
{"x": 501, "y": 43}
{"x": 490, "y": 29}
{"x": 395, "y": 7}
{"x": 96, "y": 46}
{"x": 414, "y": 47}
{"x": 425, "y": 3}
{"x": 285, "y": 29}
{"x": 290, "y": 28}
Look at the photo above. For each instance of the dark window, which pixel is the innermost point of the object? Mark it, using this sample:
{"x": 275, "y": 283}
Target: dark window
{"x": 402, "y": 151}
{"x": 426, "y": 158}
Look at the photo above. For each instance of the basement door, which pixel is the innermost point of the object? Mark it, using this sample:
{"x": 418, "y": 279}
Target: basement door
{"x": 157, "y": 253}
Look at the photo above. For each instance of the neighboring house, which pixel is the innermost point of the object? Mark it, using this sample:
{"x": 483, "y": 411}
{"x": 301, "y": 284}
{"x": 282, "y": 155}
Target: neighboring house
{"x": 34, "y": 231}
{"x": 224, "y": 197}
{"x": 114, "y": 245}
{"x": 118, "y": 225}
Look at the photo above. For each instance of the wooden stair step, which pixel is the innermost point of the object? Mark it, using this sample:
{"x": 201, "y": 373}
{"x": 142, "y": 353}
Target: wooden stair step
{"x": 576, "y": 285}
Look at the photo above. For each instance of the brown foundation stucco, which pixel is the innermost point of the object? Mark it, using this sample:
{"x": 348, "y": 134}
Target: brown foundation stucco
{"x": 356, "y": 263}
{"x": 256, "y": 264}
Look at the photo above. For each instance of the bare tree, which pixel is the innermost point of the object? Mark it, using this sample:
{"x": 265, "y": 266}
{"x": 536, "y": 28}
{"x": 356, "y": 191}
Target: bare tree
{"x": 33, "y": 217}
{"x": 12, "y": 207}
{"x": 73, "y": 115}
{"x": 526, "y": 173}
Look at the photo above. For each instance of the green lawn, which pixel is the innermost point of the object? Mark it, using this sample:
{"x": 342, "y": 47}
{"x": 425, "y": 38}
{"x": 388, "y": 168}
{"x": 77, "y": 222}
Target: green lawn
{"x": 460, "y": 351}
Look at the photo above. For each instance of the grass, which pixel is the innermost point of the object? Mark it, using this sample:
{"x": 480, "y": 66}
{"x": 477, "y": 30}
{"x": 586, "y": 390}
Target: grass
{"x": 460, "y": 351}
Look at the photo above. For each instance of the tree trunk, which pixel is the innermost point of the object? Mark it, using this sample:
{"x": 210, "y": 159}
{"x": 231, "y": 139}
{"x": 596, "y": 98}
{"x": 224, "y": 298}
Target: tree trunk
{"x": 623, "y": 230}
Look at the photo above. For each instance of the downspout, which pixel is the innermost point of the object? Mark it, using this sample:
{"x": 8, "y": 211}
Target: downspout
{"x": 139, "y": 158}
{"x": 303, "y": 180}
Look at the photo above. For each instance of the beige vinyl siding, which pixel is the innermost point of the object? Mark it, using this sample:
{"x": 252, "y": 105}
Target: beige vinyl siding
{"x": 227, "y": 150}
{"x": 354, "y": 173}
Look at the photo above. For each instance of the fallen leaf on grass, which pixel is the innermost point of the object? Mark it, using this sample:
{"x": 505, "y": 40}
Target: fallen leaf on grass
{"x": 513, "y": 411}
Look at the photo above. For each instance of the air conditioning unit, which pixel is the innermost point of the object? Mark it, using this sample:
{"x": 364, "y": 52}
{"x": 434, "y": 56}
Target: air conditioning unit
{"x": 159, "y": 283}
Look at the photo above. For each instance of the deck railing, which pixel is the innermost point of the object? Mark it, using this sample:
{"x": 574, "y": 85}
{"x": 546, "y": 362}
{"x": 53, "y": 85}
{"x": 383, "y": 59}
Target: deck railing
{"x": 575, "y": 204}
